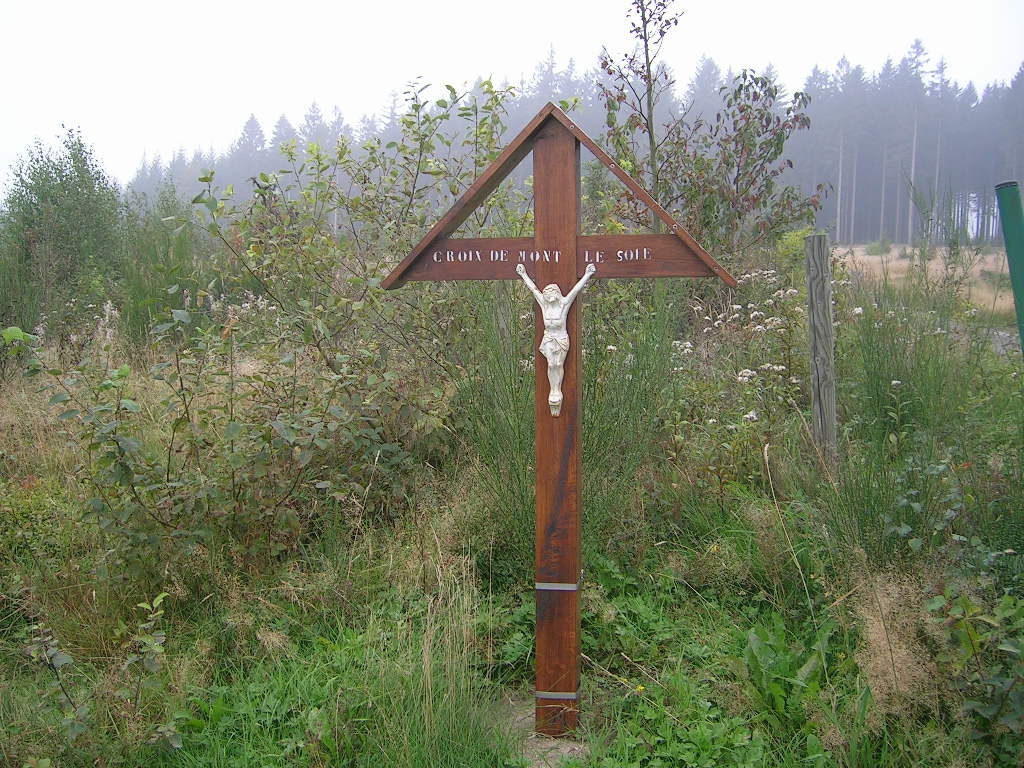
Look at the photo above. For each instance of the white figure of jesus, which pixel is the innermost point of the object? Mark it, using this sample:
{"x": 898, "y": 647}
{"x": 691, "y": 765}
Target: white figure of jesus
{"x": 555, "y": 343}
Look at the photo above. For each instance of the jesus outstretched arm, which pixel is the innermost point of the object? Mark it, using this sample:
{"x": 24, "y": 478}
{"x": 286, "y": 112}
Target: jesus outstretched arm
{"x": 521, "y": 271}
{"x": 587, "y": 274}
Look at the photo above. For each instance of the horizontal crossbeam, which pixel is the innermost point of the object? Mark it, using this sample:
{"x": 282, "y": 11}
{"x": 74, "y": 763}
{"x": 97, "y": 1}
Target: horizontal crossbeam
{"x": 613, "y": 255}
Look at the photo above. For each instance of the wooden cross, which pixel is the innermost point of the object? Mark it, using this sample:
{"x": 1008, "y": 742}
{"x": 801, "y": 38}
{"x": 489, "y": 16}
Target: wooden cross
{"x": 557, "y": 253}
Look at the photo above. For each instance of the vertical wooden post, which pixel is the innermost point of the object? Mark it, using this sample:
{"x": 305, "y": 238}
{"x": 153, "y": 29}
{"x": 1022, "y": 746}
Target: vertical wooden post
{"x": 558, "y": 530}
{"x": 823, "y": 376}
{"x": 555, "y": 256}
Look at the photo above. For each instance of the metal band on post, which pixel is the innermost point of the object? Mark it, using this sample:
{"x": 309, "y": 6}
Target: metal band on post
{"x": 558, "y": 586}
{"x": 555, "y": 586}
{"x": 558, "y": 695}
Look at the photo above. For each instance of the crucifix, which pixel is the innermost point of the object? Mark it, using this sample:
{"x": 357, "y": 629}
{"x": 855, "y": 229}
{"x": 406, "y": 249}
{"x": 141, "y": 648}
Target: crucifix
{"x": 562, "y": 260}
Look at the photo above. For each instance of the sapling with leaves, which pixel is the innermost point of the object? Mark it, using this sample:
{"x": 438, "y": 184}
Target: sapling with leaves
{"x": 46, "y": 648}
{"x": 639, "y": 82}
{"x": 720, "y": 177}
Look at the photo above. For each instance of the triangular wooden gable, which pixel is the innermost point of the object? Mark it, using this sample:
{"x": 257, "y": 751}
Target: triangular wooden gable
{"x": 436, "y": 257}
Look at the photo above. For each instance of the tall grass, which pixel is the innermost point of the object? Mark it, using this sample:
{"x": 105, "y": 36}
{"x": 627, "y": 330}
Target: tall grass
{"x": 910, "y": 360}
{"x": 626, "y": 355}
{"x": 628, "y": 332}
{"x": 162, "y": 260}
{"x": 402, "y": 691}
{"x": 496, "y": 398}
{"x": 923, "y": 389}
{"x": 429, "y": 707}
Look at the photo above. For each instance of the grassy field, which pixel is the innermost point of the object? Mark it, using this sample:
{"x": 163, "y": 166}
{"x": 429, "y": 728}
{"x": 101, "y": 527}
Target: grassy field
{"x": 747, "y": 602}
{"x": 986, "y": 274}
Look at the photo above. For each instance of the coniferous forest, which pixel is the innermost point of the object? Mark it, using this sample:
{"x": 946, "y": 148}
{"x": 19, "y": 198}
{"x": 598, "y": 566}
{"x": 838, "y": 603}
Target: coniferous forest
{"x": 256, "y": 510}
{"x": 899, "y": 150}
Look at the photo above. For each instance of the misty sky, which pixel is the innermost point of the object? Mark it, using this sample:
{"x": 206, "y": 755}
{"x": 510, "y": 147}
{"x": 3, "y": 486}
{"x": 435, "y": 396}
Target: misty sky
{"x": 142, "y": 78}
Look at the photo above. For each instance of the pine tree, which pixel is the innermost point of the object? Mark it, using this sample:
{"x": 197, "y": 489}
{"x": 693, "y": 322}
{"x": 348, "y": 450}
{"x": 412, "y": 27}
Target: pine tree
{"x": 284, "y": 131}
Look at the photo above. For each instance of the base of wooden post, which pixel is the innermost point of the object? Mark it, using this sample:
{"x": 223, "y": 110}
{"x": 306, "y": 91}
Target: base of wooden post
{"x": 556, "y": 717}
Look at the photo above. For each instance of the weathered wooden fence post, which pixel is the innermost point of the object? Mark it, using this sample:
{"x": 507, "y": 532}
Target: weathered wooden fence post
{"x": 823, "y": 376}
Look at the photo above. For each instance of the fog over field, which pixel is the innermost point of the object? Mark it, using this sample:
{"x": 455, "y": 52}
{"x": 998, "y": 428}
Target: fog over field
{"x": 144, "y": 83}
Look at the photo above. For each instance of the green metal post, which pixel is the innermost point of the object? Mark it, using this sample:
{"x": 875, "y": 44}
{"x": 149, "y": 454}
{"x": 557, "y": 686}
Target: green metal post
{"x": 1012, "y": 218}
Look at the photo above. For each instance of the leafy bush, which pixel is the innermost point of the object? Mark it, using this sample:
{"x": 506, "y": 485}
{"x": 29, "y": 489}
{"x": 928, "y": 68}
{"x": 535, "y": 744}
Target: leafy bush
{"x": 785, "y": 676}
{"x": 245, "y": 433}
{"x": 16, "y": 349}
{"x": 163, "y": 262}
{"x": 670, "y": 722}
{"x": 984, "y": 651}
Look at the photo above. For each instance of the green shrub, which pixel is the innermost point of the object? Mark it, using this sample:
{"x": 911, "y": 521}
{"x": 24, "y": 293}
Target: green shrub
{"x": 16, "y": 349}
{"x": 984, "y": 652}
{"x": 238, "y": 434}
{"x": 879, "y": 247}
{"x": 59, "y": 241}
{"x": 670, "y": 722}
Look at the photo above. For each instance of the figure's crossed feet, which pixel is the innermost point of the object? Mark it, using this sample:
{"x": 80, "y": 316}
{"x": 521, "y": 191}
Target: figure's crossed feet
{"x": 555, "y": 403}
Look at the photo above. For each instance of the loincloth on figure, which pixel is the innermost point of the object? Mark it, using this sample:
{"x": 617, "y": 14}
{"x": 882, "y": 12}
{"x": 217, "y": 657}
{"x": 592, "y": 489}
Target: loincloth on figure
{"x": 554, "y": 346}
